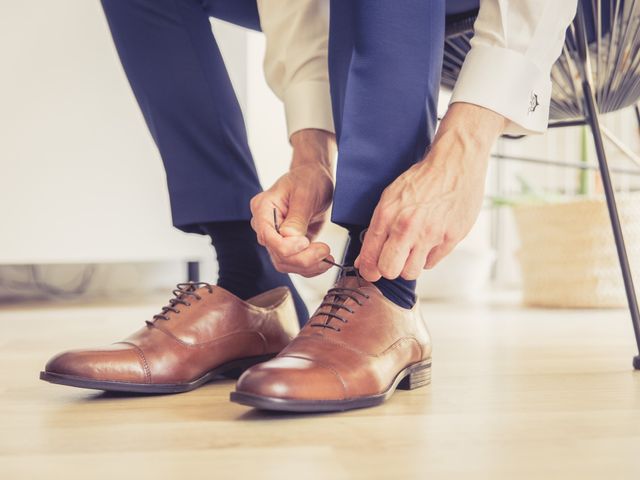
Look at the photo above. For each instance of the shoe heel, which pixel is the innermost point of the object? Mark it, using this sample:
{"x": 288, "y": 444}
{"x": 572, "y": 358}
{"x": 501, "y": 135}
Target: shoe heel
{"x": 418, "y": 376}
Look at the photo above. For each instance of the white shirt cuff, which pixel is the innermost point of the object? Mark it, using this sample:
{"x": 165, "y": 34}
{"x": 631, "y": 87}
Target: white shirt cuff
{"x": 308, "y": 105}
{"x": 507, "y": 83}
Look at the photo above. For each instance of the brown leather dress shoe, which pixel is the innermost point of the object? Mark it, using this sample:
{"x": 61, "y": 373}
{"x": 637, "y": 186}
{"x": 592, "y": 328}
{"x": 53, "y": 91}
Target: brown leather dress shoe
{"x": 203, "y": 333}
{"x": 357, "y": 348}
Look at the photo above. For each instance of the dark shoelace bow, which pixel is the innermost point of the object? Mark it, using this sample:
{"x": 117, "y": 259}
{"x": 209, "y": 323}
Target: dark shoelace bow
{"x": 340, "y": 295}
{"x": 182, "y": 292}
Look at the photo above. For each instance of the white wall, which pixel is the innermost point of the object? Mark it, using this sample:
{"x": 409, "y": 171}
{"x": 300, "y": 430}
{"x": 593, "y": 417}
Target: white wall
{"x": 82, "y": 180}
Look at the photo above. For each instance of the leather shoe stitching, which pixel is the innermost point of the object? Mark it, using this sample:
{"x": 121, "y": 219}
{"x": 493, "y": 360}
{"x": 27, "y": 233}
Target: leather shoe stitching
{"x": 141, "y": 356}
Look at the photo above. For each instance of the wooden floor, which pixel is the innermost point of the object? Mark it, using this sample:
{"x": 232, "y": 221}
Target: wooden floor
{"x": 516, "y": 394}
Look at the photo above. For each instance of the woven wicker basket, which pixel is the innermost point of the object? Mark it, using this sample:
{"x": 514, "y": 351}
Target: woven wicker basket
{"x": 568, "y": 255}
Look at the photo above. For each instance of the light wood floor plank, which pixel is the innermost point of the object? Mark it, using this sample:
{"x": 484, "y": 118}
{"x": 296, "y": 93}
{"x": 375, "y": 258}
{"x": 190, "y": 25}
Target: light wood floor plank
{"x": 516, "y": 394}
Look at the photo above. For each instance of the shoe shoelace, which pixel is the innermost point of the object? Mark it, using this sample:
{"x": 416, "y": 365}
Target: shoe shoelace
{"x": 340, "y": 295}
{"x": 182, "y": 292}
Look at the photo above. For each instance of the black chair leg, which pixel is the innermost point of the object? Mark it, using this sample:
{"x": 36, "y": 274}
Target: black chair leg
{"x": 193, "y": 271}
{"x": 592, "y": 118}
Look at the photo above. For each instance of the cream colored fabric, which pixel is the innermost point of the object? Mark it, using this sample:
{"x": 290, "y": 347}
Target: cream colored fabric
{"x": 515, "y": 44}
{"x": 507, "y": 70}
{"x": 295, "y": 63}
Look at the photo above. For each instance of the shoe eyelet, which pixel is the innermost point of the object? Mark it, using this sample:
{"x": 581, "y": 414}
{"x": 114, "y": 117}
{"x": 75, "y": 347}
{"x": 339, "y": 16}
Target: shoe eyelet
{"x": 177, "y": 311}
{"x": 187, "y": 304}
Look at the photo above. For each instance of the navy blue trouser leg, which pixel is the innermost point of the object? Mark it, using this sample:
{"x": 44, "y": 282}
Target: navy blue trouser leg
{"x": 180, "y": 81}
{"x": 385, "y": 60}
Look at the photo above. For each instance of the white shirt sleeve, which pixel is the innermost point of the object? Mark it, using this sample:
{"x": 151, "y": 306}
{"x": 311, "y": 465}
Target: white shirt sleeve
{"x": 508, "y": 69}
{"x": 295, "y": 63}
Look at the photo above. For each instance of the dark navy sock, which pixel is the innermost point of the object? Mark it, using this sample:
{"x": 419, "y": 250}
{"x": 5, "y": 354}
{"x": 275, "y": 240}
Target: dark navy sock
{"x": 245, "y": 268}
{"x": 400, "y": 291}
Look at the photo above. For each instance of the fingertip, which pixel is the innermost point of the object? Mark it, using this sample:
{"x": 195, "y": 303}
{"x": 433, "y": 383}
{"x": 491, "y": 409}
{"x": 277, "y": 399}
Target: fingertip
{"x": 324, "y": 266}
{"x": 429, "y": 264}
{"x": 409, "y": 275}
{"x": 371, "y": 276}
{"x": 302, "y": 241}
{"x": 323, "y": 249}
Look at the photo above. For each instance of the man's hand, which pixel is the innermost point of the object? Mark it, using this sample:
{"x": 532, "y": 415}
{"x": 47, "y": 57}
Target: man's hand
{"x": 301, "y": 198}
{"x": 426, "y": 211}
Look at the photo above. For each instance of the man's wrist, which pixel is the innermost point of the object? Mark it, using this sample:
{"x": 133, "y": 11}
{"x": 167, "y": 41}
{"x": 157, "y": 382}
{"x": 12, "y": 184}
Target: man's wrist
{"x": 467, "y": 131}
{"x": 313, "y": 147}
{"x": 482, "y": 125}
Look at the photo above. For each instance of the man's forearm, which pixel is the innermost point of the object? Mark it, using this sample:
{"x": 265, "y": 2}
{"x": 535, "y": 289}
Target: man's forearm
{"x": 474, "y": 126}
{"x": 315, "y": 147}
{"x": 426, "y": 211}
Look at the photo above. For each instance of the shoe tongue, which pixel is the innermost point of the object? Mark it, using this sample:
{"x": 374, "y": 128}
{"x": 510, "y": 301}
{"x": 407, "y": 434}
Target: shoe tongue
{"x": 352, "y": 281}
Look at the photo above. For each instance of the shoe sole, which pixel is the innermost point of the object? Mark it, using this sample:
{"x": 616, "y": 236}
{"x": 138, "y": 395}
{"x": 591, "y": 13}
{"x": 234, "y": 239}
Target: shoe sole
{"x": 414, "y": 376}
{"x": 232, "y": 369}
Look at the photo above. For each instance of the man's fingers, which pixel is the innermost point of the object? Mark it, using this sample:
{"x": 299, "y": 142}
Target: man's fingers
{"x": 313, "y": 271}
{"x": 301, "y": 210}
{"x": 374, "y": 239}
{"x": 310, "y": 256}
{"x": 315, "y": 252}
{"x": 415, "y": 263}
{"x": 308, "y": 263}
{"x": 438, "y": 253}
{"x": 367, "y": 260}
{"x": 283, "y": 246}
{"x": 267, "y": 235}
{"x": 261, "y": 216}
{"x": 393, "y": 258}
